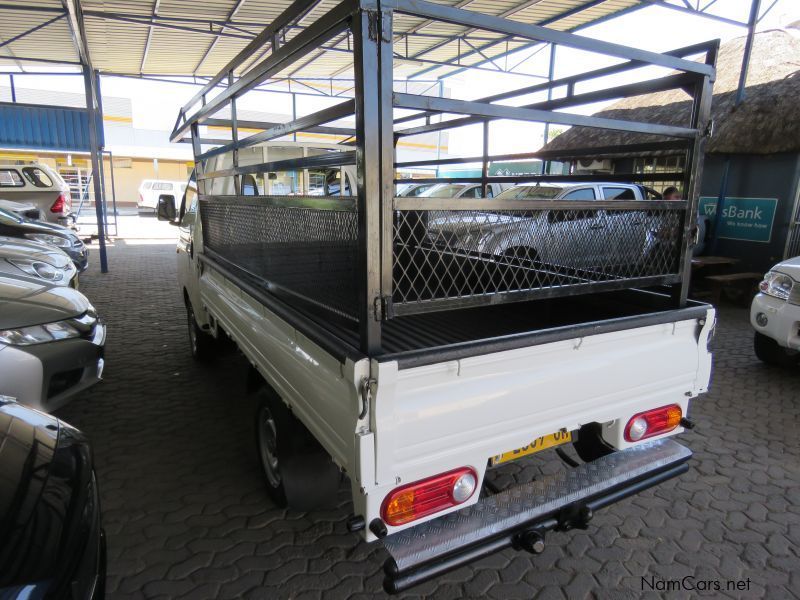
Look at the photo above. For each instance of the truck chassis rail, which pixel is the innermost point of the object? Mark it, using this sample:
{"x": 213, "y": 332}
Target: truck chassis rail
{"x": 519, "y": 517}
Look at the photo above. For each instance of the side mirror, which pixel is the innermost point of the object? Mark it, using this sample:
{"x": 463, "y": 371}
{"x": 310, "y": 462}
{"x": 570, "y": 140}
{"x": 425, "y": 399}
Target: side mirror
{"x": 166, "y": 207}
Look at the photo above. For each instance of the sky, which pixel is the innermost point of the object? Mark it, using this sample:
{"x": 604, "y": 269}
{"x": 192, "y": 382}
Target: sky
{"x": 155, "y": 105}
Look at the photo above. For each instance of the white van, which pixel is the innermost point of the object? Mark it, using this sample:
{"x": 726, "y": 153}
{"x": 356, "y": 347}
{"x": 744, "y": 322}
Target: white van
{"x": 40, "y": 185}
{"x": 151, "y": 189}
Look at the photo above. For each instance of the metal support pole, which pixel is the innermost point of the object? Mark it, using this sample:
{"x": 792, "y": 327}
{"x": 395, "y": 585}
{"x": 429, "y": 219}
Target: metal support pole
{"x": 237, "y": 179}
{"x": 701, "y": 117}
{"x": 372, "y": 56}
{"x": 740, "y": 94}
{"x": 485, "y": 161}
{"x": 551, "y": 69}
{"x": 13, "y": 89}
{"x": 92, "y": 106}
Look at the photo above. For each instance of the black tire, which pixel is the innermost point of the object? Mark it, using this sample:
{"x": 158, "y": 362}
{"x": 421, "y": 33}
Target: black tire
{"x": 769, "y": 352}
{"x": 298, "y": 473}
{"x": 201, "y": 344}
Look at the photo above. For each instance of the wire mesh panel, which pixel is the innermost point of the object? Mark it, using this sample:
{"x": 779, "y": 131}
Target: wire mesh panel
{"x": 449, "y": 258}
{"x": 301, "y": 247}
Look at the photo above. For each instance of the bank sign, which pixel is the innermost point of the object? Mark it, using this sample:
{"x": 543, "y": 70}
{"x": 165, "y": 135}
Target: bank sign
{"x": 745, "y": 219}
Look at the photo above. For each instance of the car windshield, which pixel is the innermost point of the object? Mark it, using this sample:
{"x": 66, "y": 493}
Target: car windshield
{"x": 444, "y": 191}
{"x": 9, "y": 218}
{"x": 522, "y": 192}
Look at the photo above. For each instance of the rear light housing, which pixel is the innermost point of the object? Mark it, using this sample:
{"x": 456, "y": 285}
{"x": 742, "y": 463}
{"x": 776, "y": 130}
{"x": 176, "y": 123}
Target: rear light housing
{"x": 428, "y": 496}
{"x": 62, "y": 203}
{"x": 653, "y": 422}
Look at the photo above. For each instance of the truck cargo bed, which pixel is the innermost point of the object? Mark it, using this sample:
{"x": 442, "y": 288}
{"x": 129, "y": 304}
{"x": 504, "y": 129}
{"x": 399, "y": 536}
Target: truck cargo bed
{"x": 426, "y": 338}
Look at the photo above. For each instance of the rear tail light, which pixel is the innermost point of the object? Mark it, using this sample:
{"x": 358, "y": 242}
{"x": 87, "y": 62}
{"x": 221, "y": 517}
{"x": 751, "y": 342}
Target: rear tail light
{"x": 62, "y": 203}
{"x": 427, "y": 496}
{"x": 653, "y": 422}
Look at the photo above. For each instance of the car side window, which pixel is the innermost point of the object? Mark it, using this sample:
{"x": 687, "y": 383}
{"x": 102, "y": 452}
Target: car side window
{"x": 37, "y": 177}
{"x": 618, "y": 193}
{"x": 474, "y": 192}
{"x": 10, "y": 178}
{"x": 191, "y": 207}
{"x": 574, "y": 215}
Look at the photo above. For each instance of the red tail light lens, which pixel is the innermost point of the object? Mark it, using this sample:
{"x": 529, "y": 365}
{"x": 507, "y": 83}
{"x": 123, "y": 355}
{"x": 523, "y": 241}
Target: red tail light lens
{"x": 62, "y": 203}
{"x": 427, "y": 496}
{"x": 653, "y": 422}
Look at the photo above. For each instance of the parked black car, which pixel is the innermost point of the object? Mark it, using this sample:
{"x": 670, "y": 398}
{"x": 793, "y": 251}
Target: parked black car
{"x": 52, "y": 544}
{"x": 13, "y": 225}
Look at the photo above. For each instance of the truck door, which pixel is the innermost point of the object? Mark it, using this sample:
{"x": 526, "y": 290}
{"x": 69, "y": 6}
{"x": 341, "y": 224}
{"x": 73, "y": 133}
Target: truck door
{"x": 188, "y": 274}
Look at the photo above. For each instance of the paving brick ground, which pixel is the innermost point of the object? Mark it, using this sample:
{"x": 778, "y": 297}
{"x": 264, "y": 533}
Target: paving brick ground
{"x": 187, "y": 515}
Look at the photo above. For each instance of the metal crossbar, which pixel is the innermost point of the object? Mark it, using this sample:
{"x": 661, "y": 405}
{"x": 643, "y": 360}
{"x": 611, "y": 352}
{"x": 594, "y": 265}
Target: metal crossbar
{"x": 449, "y": 252}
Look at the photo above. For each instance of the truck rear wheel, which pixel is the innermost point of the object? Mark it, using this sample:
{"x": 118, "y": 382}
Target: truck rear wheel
{"x": 768, "y": 351}
{"x": 298, "y": 473}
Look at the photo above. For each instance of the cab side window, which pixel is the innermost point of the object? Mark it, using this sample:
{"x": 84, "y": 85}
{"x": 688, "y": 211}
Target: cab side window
{"x": 10, "y": 178}
{"x": 191, "y": 207}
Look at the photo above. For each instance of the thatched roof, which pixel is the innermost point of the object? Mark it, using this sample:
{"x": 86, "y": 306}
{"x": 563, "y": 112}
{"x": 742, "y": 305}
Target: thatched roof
{"x": 767, "y": 121}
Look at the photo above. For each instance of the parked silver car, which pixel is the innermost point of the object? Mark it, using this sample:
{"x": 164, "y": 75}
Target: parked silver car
{"x": 51, "y": 342}
{"x": 576, "y": 239}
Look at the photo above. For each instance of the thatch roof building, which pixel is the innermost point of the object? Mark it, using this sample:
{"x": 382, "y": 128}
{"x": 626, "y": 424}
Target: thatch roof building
{"x": 767, "y": 122}
{"x": 752, "y": 158}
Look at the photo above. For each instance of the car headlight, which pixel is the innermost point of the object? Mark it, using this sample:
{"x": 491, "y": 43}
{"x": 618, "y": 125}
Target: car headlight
{"x": 39, "y": 334}
{"x": 777, "y": 285}
{"x": 52, "y": 240}
{"x": 37, "y": 268}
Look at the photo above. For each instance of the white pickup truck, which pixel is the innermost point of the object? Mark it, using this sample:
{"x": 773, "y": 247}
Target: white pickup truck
{"x": 416, "y": 366}
{"x": 416, "y": 428}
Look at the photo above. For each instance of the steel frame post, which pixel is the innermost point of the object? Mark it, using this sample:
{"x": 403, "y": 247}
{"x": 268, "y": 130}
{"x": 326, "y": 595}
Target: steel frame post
{"x": 92, "y": 110}
{"x": 372, "y": 54}
{"x": 701, "y": 117}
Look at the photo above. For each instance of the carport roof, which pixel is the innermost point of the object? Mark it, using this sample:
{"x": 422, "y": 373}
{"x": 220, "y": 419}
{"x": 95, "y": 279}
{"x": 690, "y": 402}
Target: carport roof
{"x": 178, "y": 37}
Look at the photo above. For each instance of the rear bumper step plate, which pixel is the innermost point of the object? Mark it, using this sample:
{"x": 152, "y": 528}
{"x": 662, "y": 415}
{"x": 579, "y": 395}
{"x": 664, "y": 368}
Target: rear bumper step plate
{"x": 559, "y": 501}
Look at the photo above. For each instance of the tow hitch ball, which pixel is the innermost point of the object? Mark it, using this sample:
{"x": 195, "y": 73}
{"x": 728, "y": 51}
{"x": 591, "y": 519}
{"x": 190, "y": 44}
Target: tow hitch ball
{"x": 531, "y": 541}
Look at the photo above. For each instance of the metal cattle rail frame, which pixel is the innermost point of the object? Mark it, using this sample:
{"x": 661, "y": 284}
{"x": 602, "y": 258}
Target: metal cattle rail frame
{"x": 362, "y": 261}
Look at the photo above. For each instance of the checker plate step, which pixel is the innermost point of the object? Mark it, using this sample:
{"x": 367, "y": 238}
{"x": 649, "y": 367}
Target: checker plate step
{"x": 525, "y": 503}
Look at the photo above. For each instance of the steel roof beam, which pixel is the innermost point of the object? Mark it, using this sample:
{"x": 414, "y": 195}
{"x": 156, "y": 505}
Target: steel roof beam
{"x": 153, "y": 15}
{"x": 33, "y": 30}
{"x": 286, "y": 18}
{"x": 236, "y": 8}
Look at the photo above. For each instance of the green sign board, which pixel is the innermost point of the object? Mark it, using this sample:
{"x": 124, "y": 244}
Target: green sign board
{"x": 745, "y": 219}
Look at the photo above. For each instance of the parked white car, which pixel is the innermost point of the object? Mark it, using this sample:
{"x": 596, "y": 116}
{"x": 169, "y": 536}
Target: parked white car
{"x": 775, "y": 315}
{"x": 37, "y": 262}
{"x": 151, "y": 189}
{"x": 38, "y": 184}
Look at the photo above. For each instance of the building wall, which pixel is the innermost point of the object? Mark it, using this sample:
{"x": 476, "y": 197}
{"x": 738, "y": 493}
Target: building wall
{"x": 757, "y": 176}
{"x": 129, "y": 173}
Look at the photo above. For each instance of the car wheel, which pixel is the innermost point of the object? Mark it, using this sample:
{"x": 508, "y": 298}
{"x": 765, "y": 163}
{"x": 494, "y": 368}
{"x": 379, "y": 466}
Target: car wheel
{"x": 201, "y": 343}
{"x": 769, "y": 352}
{"x": 298, "y": 472}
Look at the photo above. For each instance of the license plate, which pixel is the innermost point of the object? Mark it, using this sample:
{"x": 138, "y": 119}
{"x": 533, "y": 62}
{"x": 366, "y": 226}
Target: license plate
{"x": 541, "y": 443}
